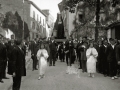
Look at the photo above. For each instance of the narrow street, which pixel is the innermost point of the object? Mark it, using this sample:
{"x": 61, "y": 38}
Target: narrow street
{"x": 57, "y": 79}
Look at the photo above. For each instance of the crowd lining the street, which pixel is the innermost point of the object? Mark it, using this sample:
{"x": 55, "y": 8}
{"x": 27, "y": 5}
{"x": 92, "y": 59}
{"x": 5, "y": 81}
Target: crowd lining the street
{"x": 102, "y": 57}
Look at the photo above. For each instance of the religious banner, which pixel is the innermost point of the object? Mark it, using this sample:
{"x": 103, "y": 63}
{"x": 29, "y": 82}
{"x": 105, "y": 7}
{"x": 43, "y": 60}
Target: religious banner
{"x": 60, "y": 30}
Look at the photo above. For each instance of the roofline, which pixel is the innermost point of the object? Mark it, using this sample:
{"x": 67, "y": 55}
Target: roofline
{"x": 37, "y": 8}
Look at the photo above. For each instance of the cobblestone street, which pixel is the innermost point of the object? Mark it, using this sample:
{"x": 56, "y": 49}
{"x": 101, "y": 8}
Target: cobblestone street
{"x": 57, "y": 79}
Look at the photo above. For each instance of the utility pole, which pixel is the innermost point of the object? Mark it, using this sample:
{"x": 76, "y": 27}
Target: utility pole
{"x": 97, "y": 19}
{"x": 23, "y": 22}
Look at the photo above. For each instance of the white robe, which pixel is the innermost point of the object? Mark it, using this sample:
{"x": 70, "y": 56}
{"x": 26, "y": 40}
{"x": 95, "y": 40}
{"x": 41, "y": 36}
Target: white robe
{"x": 91, "y": 60}
{"x": 42, "y": 56}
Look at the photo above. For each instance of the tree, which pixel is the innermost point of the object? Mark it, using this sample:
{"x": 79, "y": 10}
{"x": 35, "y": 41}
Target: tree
{"x": 20, "y": 27}
{"x": 9, "y": 20}
{"x": 26, "y": 31}
{"x": 1, "y": 18}
{"x": 19, "y": 30}
{"x": 15, "y": 23}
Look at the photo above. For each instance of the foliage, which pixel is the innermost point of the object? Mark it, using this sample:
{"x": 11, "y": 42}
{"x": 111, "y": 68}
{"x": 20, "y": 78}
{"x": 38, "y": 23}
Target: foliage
{"x": 15, "y": 23}
{"x": 20, "y": 27}
{"x": 1, "y": 18}
{"x": 26, "y": 31}
{"x": 9, "y": 20}
{"x": 81, "y": 25}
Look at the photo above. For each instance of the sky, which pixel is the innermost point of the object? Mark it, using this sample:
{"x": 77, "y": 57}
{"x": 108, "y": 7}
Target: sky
{"x": 52, "y": 5}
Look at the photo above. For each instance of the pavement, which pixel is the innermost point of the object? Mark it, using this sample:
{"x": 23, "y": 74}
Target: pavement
{"x": 8, "y": 82}
{"x": 57, "y": 79}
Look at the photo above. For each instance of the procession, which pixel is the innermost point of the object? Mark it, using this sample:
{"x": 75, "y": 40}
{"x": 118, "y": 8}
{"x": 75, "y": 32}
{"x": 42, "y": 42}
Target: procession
{"x": 59, "y": 45}
{"x": 92, "y": 57}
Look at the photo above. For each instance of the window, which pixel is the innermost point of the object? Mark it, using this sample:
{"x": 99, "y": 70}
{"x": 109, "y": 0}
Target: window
{"x": 37, "y": 18}
{"x": 44, "y": 32}
{"x": 80, "y": 17}
{"x": 43, "y": 22}
{"x": 40, "y": 29}
{"x": 33, "y": 25}
{"x": 37, "y": 28}
{"x": 32, "y": 35}
{"x": 34, "y": 14}
{"x": 36, "y": 36}
{"x": 40, "y": 19}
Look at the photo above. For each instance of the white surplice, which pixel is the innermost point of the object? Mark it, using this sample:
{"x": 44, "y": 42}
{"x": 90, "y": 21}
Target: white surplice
{"x": 91, "y": 55}
{"x": 42, "y": 56}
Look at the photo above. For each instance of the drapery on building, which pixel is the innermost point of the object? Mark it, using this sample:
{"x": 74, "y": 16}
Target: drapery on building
{"x": 67, "y": 18}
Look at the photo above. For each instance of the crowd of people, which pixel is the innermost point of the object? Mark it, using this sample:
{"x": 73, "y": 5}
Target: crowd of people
{"x": 12, "y": 58}
{"x": 102, "y": 56}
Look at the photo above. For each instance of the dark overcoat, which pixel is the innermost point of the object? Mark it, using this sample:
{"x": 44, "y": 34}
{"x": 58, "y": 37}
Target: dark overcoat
{"x": 18, "y": 64}
{"x": 10, "y": 59}
{"x": 2, "y": 56}
{"x": 111, "y": 54}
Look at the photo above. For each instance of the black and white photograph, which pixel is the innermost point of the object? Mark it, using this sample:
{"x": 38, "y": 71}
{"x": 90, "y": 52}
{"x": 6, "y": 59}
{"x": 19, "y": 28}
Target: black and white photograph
{"x": 59, "y": 44}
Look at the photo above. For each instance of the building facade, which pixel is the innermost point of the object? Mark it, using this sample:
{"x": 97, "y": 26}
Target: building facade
{"x": 113, "y": 24}
{"x": 107, "y": 24}
{"x": 49, "y": 21}
{"x": 7, "y": 33}
{"x": 37, "y": 22}
{"x": 30, "y": 13}
{"x": 68, "y": 19}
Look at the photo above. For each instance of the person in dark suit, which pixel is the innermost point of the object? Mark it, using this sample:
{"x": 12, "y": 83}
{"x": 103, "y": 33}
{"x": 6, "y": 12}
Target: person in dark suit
{"x": 118, "y": 59}
{"x": 6, "y": 58}
{"x": 67, "y": 54}
{"x": 11, "y": 46}
{"x": 2, "y": 58}
{"x": 83, "y": 49}
{"x": 63, "y": 54}
{"x": 104, "y": 63}
{"x": 79, "y": 54}
{"x": 53, "y": 51}
{"x": 111, "y": 58}
{"x": 72, "y": 52}
{"x": 60, "y": 52}
{"x": 18, "y": 65}
{"x": 100, "y": 57}
{"x": 33, "y": 54}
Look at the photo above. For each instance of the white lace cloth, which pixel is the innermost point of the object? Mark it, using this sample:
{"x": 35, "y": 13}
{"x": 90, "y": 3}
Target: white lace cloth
{"x": 73, "y": 70}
